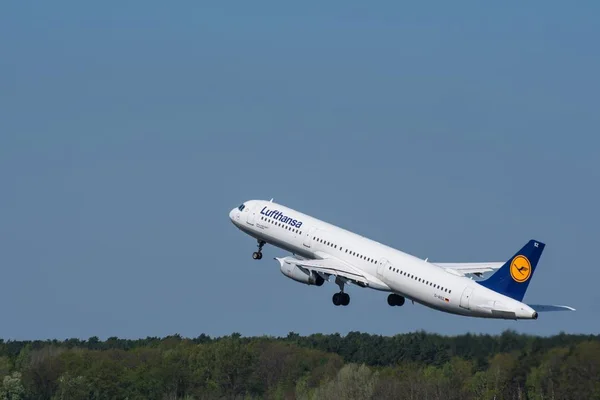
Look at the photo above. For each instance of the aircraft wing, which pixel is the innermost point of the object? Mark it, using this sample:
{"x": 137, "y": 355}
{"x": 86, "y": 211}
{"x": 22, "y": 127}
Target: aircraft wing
{"x": 327, "y": 267}
{"x": 545, "y": 307}
{"x": 476, "y": 268}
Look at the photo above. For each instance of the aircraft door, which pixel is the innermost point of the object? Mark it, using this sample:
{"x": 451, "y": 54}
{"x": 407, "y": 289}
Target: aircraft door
{"x": 251, "y": 216}
{"x": 309, "y": 237}
{"x": 466, "y": 296}
{"x": 381, "y": 267}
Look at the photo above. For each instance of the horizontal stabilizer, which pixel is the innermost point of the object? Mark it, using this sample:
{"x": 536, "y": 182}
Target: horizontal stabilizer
{"x": 545, "y": 307}
{"x": 475, "y": 268}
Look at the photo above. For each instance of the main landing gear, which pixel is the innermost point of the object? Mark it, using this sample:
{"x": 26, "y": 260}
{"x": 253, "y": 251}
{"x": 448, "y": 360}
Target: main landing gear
{"x": 395, "y": 300}
{"x": 257, "y": 255}
{"x": 341, "y": 298}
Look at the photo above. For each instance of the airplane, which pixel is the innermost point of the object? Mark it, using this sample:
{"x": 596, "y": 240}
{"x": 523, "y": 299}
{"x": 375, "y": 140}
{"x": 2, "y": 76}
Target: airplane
{"x": 321, "y": 251}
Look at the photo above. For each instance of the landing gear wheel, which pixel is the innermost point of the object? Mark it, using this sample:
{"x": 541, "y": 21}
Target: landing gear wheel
{"x": 345, "y": 299}
{"x": 257, "y": 255}
{"x": 341, "y": 299}
{"x": 395, "y": 300}
{"x": 337, "y": 299}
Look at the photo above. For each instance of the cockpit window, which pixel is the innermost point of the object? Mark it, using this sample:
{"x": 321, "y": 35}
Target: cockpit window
{"x": 241, "y": 207}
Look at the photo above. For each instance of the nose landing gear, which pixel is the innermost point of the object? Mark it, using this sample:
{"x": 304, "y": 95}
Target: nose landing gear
{"x": 257, "y": 255}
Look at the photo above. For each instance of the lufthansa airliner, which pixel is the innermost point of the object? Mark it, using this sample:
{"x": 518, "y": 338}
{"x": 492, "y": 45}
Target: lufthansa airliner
{"x": 324, "y": 252}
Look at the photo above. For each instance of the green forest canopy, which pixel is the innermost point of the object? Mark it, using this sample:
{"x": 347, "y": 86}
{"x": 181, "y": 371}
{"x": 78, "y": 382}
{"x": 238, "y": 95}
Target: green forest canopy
{"x": 358, "y": 365}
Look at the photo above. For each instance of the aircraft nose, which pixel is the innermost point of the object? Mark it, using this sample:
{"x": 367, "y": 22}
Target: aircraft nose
{"x": 232, "y": 213}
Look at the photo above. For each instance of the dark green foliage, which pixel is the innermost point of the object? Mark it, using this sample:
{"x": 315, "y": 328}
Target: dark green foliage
{"x": 409, "y": 366}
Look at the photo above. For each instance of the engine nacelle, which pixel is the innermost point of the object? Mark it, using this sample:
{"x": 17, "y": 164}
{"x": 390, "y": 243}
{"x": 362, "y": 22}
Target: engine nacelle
{"x": 301, "y": 275}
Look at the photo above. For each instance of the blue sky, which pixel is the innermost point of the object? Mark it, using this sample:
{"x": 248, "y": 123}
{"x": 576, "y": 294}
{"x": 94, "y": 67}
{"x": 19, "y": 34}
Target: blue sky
{"x": 128, "y": 131}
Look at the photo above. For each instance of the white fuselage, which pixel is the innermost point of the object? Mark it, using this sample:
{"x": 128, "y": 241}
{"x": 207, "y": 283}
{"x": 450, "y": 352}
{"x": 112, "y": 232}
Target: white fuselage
{"x": 385, "y": 268}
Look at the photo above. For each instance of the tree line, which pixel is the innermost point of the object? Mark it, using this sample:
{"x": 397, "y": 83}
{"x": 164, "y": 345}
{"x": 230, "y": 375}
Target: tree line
{"x": 415, "y": 365}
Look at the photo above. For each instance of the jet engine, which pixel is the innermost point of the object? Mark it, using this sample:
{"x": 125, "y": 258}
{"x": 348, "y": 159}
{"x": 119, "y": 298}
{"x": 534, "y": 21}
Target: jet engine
{"x": 301, "y": 275}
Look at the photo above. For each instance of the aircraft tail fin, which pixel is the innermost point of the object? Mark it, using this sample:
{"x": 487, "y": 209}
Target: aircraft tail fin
{"x": 512, "y": 279}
